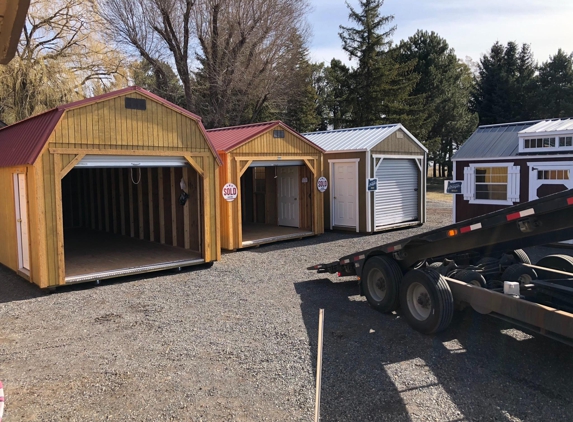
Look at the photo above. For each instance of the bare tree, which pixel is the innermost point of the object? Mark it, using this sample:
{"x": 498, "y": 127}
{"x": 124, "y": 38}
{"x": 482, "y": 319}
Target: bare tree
{"x": 244, "y": 49}
{"x": 150, "y": 27}
{"x": 249, "y": 49}
{"x": 60, "y": 58}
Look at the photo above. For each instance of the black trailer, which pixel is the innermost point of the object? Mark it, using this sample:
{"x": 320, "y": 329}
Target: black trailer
{"x": 470, "y": 264}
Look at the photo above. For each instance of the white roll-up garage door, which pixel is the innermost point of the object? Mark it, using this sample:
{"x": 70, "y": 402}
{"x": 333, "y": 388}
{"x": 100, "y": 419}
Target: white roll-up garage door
{"x": 107, "y": 161}
{"x": 396, "y": 200}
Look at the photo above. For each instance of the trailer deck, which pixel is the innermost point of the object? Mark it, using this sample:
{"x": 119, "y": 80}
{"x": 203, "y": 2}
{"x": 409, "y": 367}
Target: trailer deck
{"x": 468, "y": 263}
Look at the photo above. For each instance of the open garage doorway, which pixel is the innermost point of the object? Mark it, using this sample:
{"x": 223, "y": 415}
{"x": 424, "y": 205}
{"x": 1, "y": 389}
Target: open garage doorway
{"x": 276, "y": 202}
{"x": 121, "y": 220}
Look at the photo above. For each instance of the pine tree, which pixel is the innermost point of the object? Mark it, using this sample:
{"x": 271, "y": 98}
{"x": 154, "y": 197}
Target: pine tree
{"x": 379, "y": 86}
{"x": 556, "y": 83}
{"x": 443, "y": 87}
{"x": 505, "y": 89}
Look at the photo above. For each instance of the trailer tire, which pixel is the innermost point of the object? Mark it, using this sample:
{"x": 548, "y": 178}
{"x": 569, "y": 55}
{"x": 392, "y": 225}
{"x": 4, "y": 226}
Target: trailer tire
{"x": 519, "y": 272}
{"x": 426, "y": 301}
{"x": 471, "y": 277}
{"x": 381, "y": 280}
{"x": 555, "y": 262}
{"x": 521, "y": 256}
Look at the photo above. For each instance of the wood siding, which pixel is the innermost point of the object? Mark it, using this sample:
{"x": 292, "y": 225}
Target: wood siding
{"x": 362, "y": 209}
{"x": 107, "y": 127}
{"x": 465, "y": 210}
{"x": 267, "y": 148}
{"x": 266, "y": 145}
{"x": 396, "y": 145}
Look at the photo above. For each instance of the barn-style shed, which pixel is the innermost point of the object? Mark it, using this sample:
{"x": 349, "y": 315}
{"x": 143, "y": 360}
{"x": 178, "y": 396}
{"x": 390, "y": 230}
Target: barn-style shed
{"x": 275, "y": 171}
{"x": 118, "y": 184}
{"x": 394, "y": 162}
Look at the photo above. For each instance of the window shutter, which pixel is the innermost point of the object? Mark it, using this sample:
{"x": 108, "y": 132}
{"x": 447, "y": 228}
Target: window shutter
{"x": 469, "y": 185}
{"x": 513, "y": 179}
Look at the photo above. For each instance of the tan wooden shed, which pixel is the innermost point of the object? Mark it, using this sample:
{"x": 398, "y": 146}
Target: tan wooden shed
{"x": 118, "y": 184}
{"x": 275, "y": 171}
{"x": 377, "y": 177}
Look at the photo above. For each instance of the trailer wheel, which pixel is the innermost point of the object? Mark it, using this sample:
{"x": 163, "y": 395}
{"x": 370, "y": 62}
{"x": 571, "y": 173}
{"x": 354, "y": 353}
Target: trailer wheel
{"x": 426, "y": 301}
{"x": 521, "y": 256}
{"x": 519, "y": 272}
{"x": 471, "y": 277}
{"x": 555, "y": 262}
{"x": 381, "y": 283}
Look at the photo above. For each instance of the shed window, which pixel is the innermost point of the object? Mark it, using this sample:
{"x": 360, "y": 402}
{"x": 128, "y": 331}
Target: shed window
{"x": 539, "y": 143}
{"x": 553, "y": 175}
{"x": 135, "y": 103}
{"x": 491, "y": 183}
{"x": 565, "y": 141}
{"x": 495, "y": 184}
{"x": 278, "y": 134}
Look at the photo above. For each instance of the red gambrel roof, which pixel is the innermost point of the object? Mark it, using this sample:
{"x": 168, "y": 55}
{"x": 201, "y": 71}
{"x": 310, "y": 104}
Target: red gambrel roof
{"x": 228, "y": 138}
{"x": 21, "y": 143}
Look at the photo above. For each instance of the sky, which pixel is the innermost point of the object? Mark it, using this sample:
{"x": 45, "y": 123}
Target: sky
{"x": 470, "y": 27}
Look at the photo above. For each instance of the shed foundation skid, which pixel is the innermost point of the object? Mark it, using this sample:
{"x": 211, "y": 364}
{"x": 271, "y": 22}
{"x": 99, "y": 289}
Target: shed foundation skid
{"x": 475, "y": 263}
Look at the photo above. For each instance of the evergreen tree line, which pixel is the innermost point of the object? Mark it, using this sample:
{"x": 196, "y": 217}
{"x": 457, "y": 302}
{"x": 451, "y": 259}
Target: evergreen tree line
{"x": 235, "y": 65}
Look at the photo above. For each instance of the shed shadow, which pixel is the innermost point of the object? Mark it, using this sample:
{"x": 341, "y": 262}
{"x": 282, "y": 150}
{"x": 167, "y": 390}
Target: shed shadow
{"x": 14, "y": 288}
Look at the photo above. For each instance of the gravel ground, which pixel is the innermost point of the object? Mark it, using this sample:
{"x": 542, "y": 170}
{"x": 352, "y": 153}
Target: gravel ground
{"x": 237, "y": 342}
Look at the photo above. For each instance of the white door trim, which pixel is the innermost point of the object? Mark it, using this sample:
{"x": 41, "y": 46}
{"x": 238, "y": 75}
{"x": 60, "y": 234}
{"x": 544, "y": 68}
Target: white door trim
{"x": 368, "y": 194}
{"x": 331, "y": 172}
{"x": 23, "y": 236}
{"x": 547, "y": 165}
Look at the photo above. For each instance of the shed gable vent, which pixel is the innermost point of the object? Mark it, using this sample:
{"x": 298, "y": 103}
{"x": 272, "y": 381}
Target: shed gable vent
{"x": 135, "y": 103}
{"x": 278, "y": 133}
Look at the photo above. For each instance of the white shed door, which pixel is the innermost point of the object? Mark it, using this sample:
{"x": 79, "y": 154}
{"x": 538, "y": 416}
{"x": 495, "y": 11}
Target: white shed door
{"x": 345, "y": 195}
{"x": 396, "y": 200}
{"x": 287, "y": 192}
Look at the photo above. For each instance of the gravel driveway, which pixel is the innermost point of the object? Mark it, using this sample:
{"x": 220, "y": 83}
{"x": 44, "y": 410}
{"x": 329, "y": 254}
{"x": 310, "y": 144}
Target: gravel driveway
{"x": 237, "y": 342}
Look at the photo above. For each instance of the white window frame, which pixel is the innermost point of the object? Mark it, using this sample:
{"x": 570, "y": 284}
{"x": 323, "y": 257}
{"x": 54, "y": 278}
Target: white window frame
{"x": 556, "y": 148}
{"x": 470, "y": 188}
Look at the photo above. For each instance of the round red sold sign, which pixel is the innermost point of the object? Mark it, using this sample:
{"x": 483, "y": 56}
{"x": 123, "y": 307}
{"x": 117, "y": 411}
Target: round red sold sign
{"x": 229, "y": 192}
{"x": 322, "y": 184}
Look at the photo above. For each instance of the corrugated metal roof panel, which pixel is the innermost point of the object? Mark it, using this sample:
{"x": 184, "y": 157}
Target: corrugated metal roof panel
{"x": 352, "y": 139}
{"x": 22, "y": 142}
{"x": 493, "y": 141}
{"x": 554, "y": 125}
{"x": 227, "y": 138}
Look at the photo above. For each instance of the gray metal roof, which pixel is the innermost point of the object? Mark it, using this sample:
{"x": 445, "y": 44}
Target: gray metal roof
{"x": 493, "y": 141}
{"x": 354, "y": 139}
{"x": 555, "y": 125}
